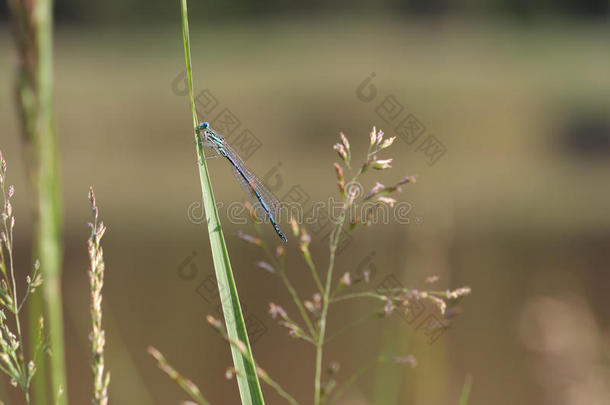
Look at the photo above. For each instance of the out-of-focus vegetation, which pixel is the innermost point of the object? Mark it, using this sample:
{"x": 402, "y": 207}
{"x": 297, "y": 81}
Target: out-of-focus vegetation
{"x": 113, "y": 10}
{"x": 517, "y": 208}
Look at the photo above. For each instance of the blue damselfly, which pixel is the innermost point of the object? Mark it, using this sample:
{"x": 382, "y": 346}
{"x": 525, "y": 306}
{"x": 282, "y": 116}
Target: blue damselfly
{"x": 260, "y": 195}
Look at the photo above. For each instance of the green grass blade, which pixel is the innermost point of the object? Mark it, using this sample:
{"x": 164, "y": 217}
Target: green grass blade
{"x": 49, "y": 232}
{"x": 34, "y": 38}
{"x": 466, "y": 390}
{"x": 247, "y": 379}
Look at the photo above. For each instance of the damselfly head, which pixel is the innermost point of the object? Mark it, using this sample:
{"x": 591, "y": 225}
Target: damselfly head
{"x": 204, "y": 125}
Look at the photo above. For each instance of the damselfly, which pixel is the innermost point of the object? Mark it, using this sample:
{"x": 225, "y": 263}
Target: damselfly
{"x": 256, "y": 190}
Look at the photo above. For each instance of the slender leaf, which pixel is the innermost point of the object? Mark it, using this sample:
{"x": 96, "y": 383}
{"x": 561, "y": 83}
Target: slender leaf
{"x": 247, "y": 379}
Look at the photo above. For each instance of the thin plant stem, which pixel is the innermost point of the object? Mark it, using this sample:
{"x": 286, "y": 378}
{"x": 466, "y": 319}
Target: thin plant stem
{"x": 293, "y": 293}
{"x": 325, "y": 304}
{"x": 275, "y": 385}
{"x": 380, "y": 296}
{"x": 363, "y": 294}
{"x": 314, "y": 272}
{"x": 298, "y": 302}
{"x": 15, "y": 309}
{"x": 281, "y": 392}
{"x": 260, "y": 372}
{"x": 187, "y": 385}
{"x": 19, "y": 369}
{"x": 334, "y": 243}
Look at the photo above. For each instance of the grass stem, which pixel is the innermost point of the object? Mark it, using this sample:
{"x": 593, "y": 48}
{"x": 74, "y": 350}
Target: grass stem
{"x": 33, "y": 28}
{"x": 247, "y": 379}
{"x": 335, "y": 237}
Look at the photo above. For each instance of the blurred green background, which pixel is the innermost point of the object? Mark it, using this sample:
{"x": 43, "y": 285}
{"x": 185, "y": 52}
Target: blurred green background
{"x": 517, "y": 208}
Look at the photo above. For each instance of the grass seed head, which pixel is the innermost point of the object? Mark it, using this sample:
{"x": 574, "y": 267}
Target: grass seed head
{"x": 346, "y": 280}
{"x": 381, "y": 164}
{"x": 387, "y": 143}
{"x": 341, "y": 151}
{"x": 276, "y": 310}
{"x": 387, "y": 200}
{"x": 249, "y": 238}
{"x": 294, "y": 226}
{"x": 345, "y": 142}
{"x": 265, "y": 266}
{"x": 373, "y": 137}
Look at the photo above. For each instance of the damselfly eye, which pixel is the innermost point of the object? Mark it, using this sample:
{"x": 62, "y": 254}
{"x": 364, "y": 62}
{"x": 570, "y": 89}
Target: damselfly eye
{"x": 204, "y": 125}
